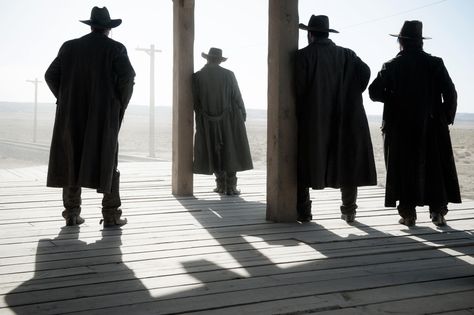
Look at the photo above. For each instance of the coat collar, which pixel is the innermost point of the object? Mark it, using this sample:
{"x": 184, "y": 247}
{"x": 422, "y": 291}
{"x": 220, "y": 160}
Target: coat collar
{"x": 322, "y": 41}
{"x": 410, "y": 51}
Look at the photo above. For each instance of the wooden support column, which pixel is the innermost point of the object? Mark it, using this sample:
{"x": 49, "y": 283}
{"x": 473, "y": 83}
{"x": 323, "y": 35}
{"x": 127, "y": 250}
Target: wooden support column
{"x": 281, "y": 128}
{"x": 183, "y": 116}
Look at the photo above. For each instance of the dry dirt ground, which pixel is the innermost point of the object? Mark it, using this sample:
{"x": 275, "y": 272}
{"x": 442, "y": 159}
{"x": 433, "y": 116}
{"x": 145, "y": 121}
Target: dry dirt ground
{"x": 134, "y": 141}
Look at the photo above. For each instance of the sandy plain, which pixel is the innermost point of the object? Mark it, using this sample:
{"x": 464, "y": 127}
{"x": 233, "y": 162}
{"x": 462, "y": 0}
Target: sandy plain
{"x": 17, "y": 126}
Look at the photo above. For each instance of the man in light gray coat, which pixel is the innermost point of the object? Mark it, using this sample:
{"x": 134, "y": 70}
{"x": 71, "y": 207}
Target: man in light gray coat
{"x": 221, "y": 145}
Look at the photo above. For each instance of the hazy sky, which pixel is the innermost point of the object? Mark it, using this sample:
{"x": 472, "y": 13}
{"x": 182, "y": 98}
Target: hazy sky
{"x": 33, "y": 31}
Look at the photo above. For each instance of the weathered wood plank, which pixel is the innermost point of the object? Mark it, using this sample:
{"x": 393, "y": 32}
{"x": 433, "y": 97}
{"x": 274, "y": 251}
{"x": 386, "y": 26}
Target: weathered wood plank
{"x": 184, "y": 254}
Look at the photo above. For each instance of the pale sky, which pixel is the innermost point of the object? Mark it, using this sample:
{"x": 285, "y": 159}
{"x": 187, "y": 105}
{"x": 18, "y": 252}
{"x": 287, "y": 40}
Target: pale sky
{"x": 33, "y": 31}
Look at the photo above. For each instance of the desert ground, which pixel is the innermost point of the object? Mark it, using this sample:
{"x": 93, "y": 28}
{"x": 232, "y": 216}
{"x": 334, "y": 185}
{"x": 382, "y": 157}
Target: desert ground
{"x": 18, "y": 126}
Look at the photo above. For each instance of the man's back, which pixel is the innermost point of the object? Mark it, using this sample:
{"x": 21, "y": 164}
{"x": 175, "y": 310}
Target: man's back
{"x": 416, "y": 81}
{"x": 334, "y": 146}
{"x": 89, "y": 57}
{"x": 323, "y": 64}
{"x": 331, "y": 117}
{"x": 92, "y": 79}
{"x": 221, "y": 145}
{"x": 216, "y": 88}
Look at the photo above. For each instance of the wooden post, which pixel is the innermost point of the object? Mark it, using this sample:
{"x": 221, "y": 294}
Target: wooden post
{"x": 281, "y": 129}
{"x": 183, "y": 116}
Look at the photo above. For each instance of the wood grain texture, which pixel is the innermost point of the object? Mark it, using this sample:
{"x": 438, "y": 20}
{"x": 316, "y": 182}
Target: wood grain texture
{"x": 211, "y": 254}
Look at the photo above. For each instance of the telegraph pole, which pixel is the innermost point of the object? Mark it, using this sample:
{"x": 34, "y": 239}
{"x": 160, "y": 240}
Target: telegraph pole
{"x": 151, "y": 52}
{"x": 35, "y": 82}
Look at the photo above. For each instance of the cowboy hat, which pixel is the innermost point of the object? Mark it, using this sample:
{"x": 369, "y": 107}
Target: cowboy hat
{"x": 318, "y": 23}
{"x": 214, "y": 53}
{"x": 100, "y": 18}
{"x": 411, "y": 30}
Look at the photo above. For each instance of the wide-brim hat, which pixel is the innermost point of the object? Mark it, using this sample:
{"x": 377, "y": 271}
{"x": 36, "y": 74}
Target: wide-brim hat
{"x": 318, "y": 23}
{"x": 411, "y": 30}
{"x": 215, "y": 53}
{"x": 100, "y": 18}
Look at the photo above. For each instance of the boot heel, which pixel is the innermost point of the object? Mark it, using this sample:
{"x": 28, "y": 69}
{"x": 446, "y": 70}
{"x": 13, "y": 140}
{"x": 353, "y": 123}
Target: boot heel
{"x": 74, "y": 220}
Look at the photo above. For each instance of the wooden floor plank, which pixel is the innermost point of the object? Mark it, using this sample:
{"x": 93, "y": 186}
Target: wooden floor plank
{"x": 346, "y": 302}
{"x": 216, "y": 254}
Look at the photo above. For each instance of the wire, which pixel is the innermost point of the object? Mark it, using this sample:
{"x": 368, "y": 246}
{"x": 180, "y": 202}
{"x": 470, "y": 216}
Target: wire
{"x": 393, "y": 15}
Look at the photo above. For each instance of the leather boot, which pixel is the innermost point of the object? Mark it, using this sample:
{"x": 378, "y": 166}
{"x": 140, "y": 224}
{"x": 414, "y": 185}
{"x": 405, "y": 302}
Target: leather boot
{"x": 303, "y": 204}
{"x": 304, "y": 211}
{"x": 111, "y": 217}
{"x": 220, "y": 183}
{"x": 437, "y": 219}
{"x": 231, "y": 185}
{"x": 72, "y": 216}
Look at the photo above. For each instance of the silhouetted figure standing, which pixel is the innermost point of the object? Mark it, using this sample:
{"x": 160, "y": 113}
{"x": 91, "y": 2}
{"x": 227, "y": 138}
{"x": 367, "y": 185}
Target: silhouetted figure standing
{"x": 334, "y": 146}
{"x": 221, "y": 145}
{"x": 92, "y": 79}
{"x": 420, "y": 102}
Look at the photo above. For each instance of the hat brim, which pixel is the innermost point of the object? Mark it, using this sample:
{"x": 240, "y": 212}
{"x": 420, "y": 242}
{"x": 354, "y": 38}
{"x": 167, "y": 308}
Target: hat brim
{"x": 407, "y": 37}
{"x": 206, "y": 56}
{"x": 314, "y": 29}
{"x": 111, "y": 24}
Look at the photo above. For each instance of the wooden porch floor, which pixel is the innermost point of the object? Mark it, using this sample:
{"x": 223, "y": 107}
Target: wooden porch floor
{"x": 217, "y": 255}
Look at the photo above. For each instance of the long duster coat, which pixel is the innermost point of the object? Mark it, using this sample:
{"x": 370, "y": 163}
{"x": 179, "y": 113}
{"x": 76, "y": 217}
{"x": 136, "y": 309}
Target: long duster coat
{"x": 420, "y": 102}
{"x": 221, "y": 142}
{"x": 92, "y": 79}
{"x": 334, "y": 145}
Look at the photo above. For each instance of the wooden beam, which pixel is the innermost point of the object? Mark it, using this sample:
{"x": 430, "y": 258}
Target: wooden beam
{"x": 183, "y": 117}
{"x": 281, "y": 133}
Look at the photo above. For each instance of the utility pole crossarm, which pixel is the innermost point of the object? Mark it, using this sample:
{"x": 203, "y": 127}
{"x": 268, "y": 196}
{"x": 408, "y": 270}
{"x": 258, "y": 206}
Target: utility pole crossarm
{"x": 148, "y": 50}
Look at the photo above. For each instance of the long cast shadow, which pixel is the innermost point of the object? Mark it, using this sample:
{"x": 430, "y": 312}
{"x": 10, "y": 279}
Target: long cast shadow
{"x": 93, "y": 276}
{"x": 69, "y": 273}
{"x": 345, "y": 256}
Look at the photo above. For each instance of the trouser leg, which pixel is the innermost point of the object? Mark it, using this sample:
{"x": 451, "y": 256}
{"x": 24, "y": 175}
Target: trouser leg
{"x": 112, "y": 200}
{"x": 349, "y": 199}
{"x": 303, "y": 203}
{"x": 72, "y": 199}
{"x": 72, "y": 205}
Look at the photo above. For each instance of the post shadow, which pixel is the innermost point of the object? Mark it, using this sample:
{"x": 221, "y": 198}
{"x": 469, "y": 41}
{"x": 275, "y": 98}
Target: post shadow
{"x": 60, "y": 292}
{"x": 334, "y": 249}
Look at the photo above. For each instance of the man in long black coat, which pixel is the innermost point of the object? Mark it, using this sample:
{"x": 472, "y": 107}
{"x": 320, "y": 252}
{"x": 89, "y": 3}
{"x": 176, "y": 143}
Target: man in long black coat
{"x": 334, "y": 146}
{"x": 92, "y": 79}
{"x": 420, "y": 102}
{"x": 221, "y": 145}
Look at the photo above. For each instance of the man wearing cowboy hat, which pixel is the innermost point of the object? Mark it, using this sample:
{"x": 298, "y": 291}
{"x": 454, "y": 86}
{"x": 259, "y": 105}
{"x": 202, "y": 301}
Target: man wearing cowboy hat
{"x": 221, "y": 145}
{"x": 92, "y": 80}
{"x": 420, "y": 102}
{"x": 334, "y": 145}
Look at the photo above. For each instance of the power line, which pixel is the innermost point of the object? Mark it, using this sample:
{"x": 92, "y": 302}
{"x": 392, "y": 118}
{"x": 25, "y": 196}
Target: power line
{"x": 395, "y": 14}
